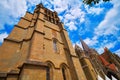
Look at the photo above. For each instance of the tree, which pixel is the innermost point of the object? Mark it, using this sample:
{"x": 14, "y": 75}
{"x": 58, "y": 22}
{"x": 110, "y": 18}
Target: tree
{"x": 89, "y": 2}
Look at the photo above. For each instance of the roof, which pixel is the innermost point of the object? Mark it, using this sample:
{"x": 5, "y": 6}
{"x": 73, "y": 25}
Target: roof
{"x": 107, "y": 64}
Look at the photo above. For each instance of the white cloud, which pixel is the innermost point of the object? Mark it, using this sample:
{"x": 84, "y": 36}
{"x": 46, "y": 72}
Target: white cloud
{"x": 61, "y": 17}
{"x": 72, "y": 14}
{"x": 78, "y": 43}
{"x": 82, "y": 19}
{"x": 76, "y": 12}
{"x": 109, "y": 24}
{"x": 33, "y": 2}
{"x": 88, "y": 41}
{"x": 2, "y": 36}
{"x": 100, "y": 49}
{"x": 117, "y": 52}
{"x": 91, "y": 42}
{"x": 10, "y": 10}
{"x": 94, "y": 10}
{"x": 110, "y": 45}
{"x": 94, "y": 41}
{"x": 15, "y": 8}
{"x": 75, "y": 3}
{"x": 71, "y": 26}
{"x": 60, "y": 6}
{"x": 69, "y": 17}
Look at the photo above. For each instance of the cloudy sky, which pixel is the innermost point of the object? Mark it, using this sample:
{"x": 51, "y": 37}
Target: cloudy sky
{"x": 98, "y": 26}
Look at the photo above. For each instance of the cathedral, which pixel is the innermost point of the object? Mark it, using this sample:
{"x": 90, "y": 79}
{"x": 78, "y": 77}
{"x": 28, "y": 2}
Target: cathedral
{"x": 39, "y": 48}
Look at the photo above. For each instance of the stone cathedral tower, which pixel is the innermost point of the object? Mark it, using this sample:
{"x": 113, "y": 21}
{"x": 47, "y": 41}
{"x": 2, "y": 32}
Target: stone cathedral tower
{"x": 39, "y": 48}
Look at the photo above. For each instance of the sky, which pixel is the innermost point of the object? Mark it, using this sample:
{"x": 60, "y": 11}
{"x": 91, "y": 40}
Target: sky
{"x": 98, "y": 25}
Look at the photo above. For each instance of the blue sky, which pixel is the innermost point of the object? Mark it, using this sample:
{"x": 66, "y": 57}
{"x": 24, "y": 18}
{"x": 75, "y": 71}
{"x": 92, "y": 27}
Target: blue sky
{"x": 98, "y": 26}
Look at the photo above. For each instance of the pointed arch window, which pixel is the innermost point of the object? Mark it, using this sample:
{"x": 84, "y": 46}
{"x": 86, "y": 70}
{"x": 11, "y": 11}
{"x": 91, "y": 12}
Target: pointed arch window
{"x": 64, "y": 73}
{"x": 55, "y": 45}
{"x": 49, "y": 74}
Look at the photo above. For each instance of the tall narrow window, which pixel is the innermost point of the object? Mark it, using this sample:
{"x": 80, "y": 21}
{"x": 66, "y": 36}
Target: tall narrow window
{"x": 46, "y": 11}
{"x": 46, "y": 17}
{"x": 55, "y": 45}
{"x": 49, "y": 19}
{"x": 63, "y": 73}
{"x": 48, "y": 74}
{"x": 52, "y": 15}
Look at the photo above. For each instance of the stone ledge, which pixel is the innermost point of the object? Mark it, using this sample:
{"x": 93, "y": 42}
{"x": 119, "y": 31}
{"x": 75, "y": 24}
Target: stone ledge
{"x": 2, "y": 74}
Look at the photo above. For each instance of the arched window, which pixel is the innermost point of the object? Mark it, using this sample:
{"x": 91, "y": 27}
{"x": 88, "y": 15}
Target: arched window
{"x": 55, "y": 41}
{"x": 64, "y": 73}
{"x": 55, "y": 47}
{"x": 49, "y": 73}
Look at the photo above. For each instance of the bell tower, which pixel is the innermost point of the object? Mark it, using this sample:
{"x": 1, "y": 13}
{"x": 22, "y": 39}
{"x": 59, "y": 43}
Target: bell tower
{"x": 39, "y": 48}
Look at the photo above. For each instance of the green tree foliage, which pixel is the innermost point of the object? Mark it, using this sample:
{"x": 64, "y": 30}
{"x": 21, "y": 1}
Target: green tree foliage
{"x": 89, "y": 2}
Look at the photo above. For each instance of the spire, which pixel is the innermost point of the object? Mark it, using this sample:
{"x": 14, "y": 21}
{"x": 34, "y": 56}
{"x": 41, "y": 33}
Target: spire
{"x": 105, "y": 49}
{"x": 77, "y": 47}
{"x": 84, "y": 45}
{"x": 79, "y": 51}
